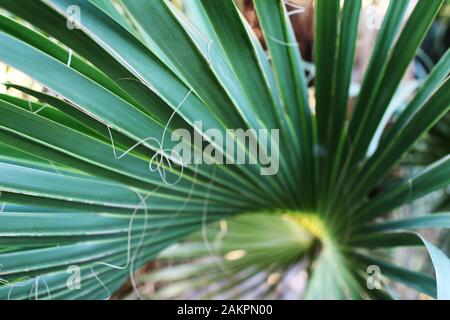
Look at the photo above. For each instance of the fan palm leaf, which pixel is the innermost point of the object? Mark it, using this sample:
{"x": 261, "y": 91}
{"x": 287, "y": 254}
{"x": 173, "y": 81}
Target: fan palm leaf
{"x": 85, "y": 171}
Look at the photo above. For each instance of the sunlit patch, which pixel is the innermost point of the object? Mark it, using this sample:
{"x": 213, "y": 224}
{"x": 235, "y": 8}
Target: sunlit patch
{"x": 273, "y": 278}
{"x": 235, "y": 255}
{"x": 310, "y": 222}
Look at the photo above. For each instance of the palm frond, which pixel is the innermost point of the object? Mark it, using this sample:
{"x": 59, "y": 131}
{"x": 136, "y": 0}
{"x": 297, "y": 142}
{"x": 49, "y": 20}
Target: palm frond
{"x": 90, "y": 183}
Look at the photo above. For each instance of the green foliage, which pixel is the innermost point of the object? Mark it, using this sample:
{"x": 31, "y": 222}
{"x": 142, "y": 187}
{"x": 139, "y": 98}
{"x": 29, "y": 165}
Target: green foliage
{"x": 138, "y": 71}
